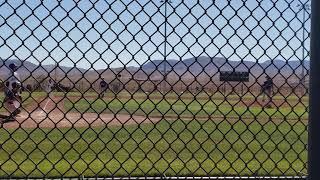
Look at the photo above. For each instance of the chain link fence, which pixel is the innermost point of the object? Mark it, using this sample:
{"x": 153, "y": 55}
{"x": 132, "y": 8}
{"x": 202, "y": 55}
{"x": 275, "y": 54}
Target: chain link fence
{"x": 170, "y": 88}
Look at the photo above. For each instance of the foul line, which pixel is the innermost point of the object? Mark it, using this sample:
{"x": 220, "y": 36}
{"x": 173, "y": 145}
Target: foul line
{"x": 44, "y": 108}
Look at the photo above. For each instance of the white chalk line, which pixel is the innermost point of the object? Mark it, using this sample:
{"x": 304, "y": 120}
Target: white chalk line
{"x": 44, "y": 108}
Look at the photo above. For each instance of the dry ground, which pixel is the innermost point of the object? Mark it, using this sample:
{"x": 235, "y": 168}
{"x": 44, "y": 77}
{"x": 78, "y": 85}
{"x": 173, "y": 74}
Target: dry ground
{"x": 49, "y": 114}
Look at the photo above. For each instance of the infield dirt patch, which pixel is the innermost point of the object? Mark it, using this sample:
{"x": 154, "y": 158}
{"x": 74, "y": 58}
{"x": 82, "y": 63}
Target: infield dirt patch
{"x": 49, "y": 113}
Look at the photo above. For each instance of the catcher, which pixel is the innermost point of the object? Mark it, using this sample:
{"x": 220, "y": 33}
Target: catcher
{"x": 12, "y": 92}
{"x": 266, "y": 90}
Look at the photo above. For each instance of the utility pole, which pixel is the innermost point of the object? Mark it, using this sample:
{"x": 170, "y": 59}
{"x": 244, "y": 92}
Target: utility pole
{"x": 55, "y": 72}
{"x": 305, "y": 7}
{"x": 165, "y": 2}
{"x": 56, "y": 85}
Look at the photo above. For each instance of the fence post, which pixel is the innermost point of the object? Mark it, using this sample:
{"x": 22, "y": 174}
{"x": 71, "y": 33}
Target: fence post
{"x": 314, "y": 100}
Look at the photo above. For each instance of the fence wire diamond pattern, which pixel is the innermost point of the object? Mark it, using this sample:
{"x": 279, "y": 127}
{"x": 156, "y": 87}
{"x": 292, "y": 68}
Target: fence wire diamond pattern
{"x": 124, "y": 88}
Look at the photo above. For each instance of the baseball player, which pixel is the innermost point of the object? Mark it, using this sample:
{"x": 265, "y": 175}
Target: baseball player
{"x": 266, "y": 90}
{"x": 103, "y": 88}
{"x": 50, "y": 86}
{"x": 12, "y": 92}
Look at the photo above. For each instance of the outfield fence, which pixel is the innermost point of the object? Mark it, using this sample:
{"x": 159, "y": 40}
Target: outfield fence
{"x": 155, "y": 89}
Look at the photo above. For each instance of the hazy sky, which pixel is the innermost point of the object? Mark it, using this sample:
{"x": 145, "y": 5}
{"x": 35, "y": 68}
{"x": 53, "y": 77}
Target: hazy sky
{"x": 130, "y": 32}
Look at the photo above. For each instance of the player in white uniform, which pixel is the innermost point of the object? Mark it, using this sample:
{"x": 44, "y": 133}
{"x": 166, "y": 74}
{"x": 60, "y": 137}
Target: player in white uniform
{"x": 50, "y": 86}
{"x": 12, "y": 100}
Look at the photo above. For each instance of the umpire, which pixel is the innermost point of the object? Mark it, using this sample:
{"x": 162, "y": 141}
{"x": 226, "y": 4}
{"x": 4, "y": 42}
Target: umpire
{"x": 266, "y": 90}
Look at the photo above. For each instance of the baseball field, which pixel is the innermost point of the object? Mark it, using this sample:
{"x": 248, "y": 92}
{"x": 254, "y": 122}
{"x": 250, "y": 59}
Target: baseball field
{"x": 74, "y": 134}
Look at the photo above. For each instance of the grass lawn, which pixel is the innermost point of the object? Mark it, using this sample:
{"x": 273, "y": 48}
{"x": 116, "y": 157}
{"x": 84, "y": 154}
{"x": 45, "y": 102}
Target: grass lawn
{"x": 172, "y": 147}
{"x": 231, "y": 107}
{"x": 218, "y": 95}
{"x": 253, "y": 145}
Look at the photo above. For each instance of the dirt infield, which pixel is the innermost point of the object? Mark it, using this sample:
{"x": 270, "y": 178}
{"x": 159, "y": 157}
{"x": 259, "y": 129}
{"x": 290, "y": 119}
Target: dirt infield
{"x": 49, "y": 113}
{"x": 60, "y": 120}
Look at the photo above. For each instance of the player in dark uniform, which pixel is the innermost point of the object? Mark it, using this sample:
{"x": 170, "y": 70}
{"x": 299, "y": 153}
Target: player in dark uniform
{"x": 267, "y": 90}
{"x": 103, "y": 88}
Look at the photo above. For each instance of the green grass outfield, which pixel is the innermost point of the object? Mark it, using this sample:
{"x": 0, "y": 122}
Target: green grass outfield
{"x": 253, "y": 145}
{"x": 178, "y": 148}
{"x": 188, "y": 106}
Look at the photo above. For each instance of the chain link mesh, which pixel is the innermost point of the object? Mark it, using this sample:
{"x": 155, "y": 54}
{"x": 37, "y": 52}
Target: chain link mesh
{"x": 124, "y": 88}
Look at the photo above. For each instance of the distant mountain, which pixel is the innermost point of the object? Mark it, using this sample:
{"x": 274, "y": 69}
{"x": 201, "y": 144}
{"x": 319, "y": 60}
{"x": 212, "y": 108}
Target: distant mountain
{"x": 211, "y": 66}
{"x": 27, "y": 69}
{"x": 188, "y": 68}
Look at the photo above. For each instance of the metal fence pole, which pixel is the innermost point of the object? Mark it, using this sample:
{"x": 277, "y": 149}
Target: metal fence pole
{"x": 314, "y": 121}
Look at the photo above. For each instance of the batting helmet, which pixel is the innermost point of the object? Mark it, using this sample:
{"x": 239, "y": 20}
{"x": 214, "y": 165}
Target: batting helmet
{"x": 13, "y": 66}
